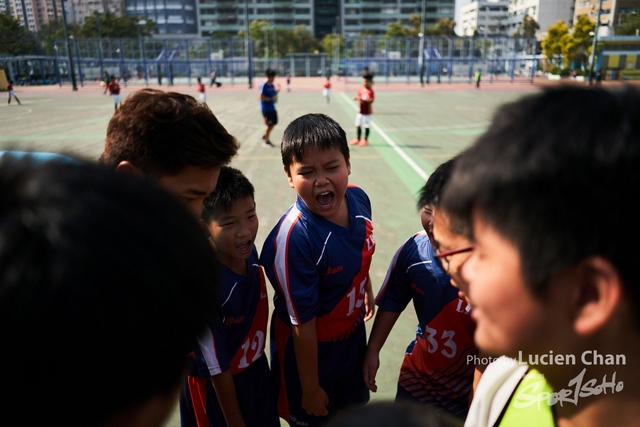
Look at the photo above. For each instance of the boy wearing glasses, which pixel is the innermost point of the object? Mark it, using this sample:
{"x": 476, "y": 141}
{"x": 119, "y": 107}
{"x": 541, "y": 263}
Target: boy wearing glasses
{"x": 435, "y": 370}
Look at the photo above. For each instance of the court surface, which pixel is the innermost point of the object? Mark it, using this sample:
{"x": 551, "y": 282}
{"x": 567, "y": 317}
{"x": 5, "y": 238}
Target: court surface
{"x": 414, "y": 130}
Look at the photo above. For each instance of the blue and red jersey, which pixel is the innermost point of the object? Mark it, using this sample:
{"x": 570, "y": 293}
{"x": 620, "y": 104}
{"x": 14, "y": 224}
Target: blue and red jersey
{"x": 435, "y": 370}
{"x": 236, "y": 337}
{"x": 319, "y": 269}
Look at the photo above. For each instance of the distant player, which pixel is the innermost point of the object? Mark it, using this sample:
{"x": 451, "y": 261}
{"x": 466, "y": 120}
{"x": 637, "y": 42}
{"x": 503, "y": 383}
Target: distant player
{"x": 317, "y": 258}
{"x": 114, "y": 91}
{"x": 363, "y": 118}
{"x": 288, "y": 82}
{"x": 11, "y": 92}
{"x": 202, "y": 95}
{"x": 435, "y": 370}
{"x": 478, "y": 77}
{"x": 327, "y": 89}
{"x": 230, "y": 380}
{"x": 268, "y": 99}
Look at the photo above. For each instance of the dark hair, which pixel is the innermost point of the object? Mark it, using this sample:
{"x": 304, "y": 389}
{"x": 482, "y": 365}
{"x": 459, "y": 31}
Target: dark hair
{"x": 105, "y": 285}
{"x": 269, "y": 72}
{"x": 232, "y": 186}
{"x": 163, "y": 132}
{"x": 394, "y": 413}
{"x": 547, "y": 166}
{"x": 431, "y": 192}
{"x": 312, "y": 132}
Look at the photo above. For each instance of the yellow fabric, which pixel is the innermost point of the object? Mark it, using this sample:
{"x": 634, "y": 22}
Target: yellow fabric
{"x": 614, "y": 61}
{"x": 528, "y": 406}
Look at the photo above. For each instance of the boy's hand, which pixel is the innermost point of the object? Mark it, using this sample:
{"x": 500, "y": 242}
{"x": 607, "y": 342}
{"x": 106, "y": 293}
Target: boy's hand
{"x": 315, "y": 402}
{"x": 369, "y": 302}
{"x": 370, "y": 369}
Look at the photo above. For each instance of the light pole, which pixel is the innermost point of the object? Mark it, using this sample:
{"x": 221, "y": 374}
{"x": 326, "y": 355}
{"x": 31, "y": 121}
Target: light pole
{"x": 66, "y": 41}
{"x": 247, "y": 42}
{"x": 421, "y": 44}
{"x": 593, "y": 47}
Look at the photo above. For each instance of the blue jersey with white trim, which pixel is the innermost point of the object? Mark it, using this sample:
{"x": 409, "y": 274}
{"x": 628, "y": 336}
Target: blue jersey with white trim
{"x": 235, "y": 337}
{"x": 435, "y": 370}
{"x": 319, "y": 269}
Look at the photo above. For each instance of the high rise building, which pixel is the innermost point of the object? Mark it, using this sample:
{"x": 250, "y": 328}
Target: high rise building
{"x": 484, "y": 17}
{"x": 81, "y": 9}
{"x": 35, "y": 13}
{"x": 173, "y": 17}
{"x": 612, "y": 12}
{"x": 348, "y": 17}
{"x": 544, "y": 12}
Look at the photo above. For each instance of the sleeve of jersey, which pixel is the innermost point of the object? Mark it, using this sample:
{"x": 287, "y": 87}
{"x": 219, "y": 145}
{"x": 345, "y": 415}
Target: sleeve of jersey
{"x": 212, "y": 355}
{"x": 395, "y": 292}
{"x": 295, "y": 270}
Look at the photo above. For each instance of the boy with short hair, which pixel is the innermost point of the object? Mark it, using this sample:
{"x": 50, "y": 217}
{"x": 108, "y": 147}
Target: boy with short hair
{"x": 230, "y": 372}
{"x": 90, "y": 288}
{"x": 171, "y": 138}
{"x": 436, "y": 370}
{"x": 363, "y": 118}
{"x": 114, "y": 91}
{"x": 12, "y": 94}
{"x": 317, "y": 258}
{"x": 268, "y": 99}
{"x": 548, "y": 286}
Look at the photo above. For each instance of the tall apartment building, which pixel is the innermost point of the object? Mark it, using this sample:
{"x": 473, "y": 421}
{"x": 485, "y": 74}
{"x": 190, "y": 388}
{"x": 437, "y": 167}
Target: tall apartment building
{"x": 375, "y": 15}
{"x": 545, "y": 13}
{"x": 348, "y": 17}
{"x": 611, "y": 15}
{"x": 484, "y": 17}
{"x": 35, "y": 13}
{"x": 81, "y": 9}
{"x": 227, "y": 16}
{"x": 5, "y": 6}
{"x": 173, "y": 17}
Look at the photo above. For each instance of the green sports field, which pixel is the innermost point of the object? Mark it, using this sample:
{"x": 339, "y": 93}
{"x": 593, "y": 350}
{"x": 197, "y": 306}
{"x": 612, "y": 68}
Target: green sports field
{"x": 414, "y": 130}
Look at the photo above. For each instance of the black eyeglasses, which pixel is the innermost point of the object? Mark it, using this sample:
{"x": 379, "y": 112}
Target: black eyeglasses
{"x": 444, "y": 255}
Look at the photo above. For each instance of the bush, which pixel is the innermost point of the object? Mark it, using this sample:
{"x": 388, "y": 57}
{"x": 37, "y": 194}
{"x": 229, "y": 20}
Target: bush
{"x": 555, "y": 70}
{"x": 565, "y": 72}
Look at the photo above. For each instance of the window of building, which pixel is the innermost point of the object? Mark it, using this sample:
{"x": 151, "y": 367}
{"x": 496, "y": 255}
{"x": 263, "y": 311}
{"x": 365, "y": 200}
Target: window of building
{"x": 302, "y": 22}
{"x": 207, "y": 11}
{"x": 265, "y": 11}
{"x": 303, "y": 11}
{"x": 408, "y": 10}
{"x": 351, "y": 22}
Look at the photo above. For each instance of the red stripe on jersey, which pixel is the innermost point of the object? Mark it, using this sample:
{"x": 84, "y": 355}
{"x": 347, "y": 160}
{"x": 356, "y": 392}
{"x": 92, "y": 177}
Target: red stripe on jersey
{"x": 341, "y": 321}
{"x": 198, "y": 393}
{"x": 253, "y": 346}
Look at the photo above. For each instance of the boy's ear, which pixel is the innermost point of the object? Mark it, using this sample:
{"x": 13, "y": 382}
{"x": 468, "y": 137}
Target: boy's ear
{"x": 204, "y": 228}
{"x": 289, "y": 179}
{"x": 598, "y": 294}
{"x": 127, "y": 166}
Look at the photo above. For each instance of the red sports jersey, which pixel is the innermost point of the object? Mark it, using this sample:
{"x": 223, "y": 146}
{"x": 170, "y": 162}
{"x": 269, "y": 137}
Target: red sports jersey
{"x": 365, "y": 95}
{"x": 327, "y": 85}
{"x": 200, "y": 87}
{"x": 9, "y": 87}
{"x": 114, "y": 88}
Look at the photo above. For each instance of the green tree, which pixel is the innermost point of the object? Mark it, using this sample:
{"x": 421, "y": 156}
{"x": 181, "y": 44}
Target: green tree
{"x": 445, "y": 26}
{"x": 329, "y": 41}
{"x": 527, "y": 28}
{"x": 112, "y": 26}
{"x": 577, "y": 47}
{"x": 629, "y": 25}
{"x": 54, "y": 30}
{"x": 16, "y": 39}
{"x": 552, "y": 44}
{"x": 396, "y": 29}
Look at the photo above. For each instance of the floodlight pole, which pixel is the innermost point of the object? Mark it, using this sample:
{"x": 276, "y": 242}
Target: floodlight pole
{"x": 247, "y": 41}
{"x": 593, "y": 47}
{"x": 66, "y": 41}
{"x": 421, "y": 44}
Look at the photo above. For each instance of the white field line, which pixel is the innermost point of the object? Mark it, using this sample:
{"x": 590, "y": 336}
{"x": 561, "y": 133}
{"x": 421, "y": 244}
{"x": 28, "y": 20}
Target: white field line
{"x": 393, "y": 145}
